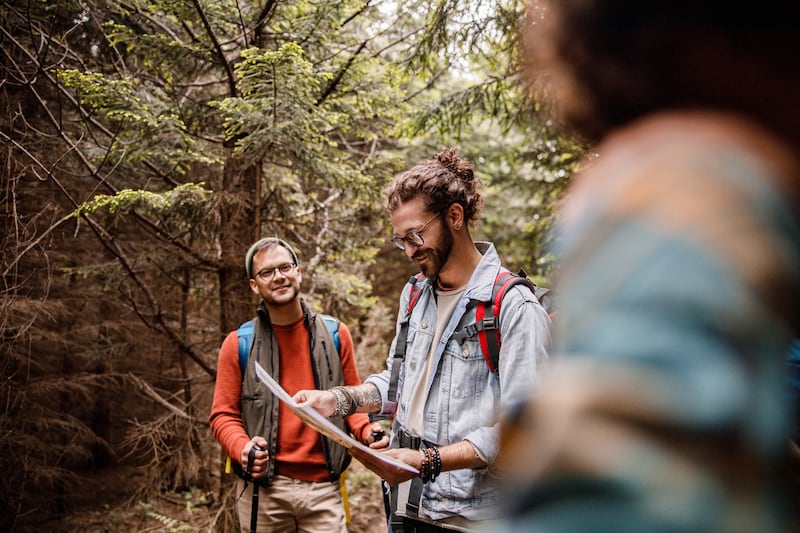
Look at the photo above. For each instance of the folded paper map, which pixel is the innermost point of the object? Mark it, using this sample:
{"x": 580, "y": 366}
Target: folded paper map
{"x": 312, "y": 418}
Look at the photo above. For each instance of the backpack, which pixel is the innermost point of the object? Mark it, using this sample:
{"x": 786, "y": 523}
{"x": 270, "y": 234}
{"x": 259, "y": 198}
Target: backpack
{"x": 245, "y": 336}
{"x": 486, "y": 320}
{"x": 487, "y": 314}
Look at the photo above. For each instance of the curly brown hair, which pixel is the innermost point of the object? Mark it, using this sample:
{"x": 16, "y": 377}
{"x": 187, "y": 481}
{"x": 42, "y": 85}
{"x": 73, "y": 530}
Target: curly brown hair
{"x": 444, "y": 180}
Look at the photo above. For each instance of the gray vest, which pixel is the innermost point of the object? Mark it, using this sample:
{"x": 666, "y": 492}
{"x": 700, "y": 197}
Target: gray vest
{"x": 260, "y": 407}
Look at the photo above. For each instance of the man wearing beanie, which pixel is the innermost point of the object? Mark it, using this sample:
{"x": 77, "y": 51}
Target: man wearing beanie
{"x": 290, "y": 472}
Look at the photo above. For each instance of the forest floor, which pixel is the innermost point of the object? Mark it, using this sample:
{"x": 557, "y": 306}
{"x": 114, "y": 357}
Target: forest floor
{"x": 104, "y": 508}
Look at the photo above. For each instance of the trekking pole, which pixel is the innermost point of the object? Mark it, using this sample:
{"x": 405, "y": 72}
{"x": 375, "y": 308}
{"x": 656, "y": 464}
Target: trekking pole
{"x": 251, "y": 456}
{"x": 254, "y": 508}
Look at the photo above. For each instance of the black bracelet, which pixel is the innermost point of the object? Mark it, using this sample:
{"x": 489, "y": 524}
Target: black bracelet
{"x": 425, "y": 466}
{"x": 436, "y": 463}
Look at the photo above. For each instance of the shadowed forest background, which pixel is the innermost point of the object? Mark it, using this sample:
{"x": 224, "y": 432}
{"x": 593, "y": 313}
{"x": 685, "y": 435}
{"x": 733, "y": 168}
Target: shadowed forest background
{"x": 146, "y": 144}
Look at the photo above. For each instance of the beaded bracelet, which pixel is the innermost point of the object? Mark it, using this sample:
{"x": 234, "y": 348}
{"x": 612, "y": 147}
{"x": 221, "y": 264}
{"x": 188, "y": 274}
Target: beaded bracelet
{"x": 436, "y": 463}
{"x": 425, "y": 466}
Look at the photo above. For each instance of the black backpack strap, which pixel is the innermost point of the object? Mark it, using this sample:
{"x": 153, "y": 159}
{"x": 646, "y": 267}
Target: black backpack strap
{"x": 402, "y": 336}
{"x": 395, "y": 522}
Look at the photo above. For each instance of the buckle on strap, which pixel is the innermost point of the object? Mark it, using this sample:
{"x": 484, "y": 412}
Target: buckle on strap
{"x": 408, "y": 440}
{"x": 471, "y": 330}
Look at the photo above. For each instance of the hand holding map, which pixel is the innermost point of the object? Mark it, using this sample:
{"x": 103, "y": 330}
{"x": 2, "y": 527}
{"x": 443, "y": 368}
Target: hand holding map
{"x": 375, "y": 461}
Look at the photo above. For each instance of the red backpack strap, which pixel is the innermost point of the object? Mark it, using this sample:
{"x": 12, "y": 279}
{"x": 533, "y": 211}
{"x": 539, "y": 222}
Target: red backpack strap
{"x": 413, "y": 295}
{"x": 399, "y": 354}
{"x": 487, "y": 316}
{"x": 483, "y": 339}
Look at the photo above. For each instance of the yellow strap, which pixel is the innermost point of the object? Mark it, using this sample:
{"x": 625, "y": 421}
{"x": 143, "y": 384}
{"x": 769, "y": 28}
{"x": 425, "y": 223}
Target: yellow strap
{"x": 343, "y": 489}
{"x": 227, "y": 465}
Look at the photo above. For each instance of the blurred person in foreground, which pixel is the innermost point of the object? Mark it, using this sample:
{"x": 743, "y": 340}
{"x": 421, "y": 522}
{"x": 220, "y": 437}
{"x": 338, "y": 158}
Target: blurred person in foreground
{"x": 294, "y": 468}
{"x": 666, "y": 407}
{"x": 445, "y": 399}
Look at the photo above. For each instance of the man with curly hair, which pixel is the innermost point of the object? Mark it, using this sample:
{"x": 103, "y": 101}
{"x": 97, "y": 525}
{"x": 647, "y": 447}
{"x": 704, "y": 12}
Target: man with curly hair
{"x": 445, "y": 398}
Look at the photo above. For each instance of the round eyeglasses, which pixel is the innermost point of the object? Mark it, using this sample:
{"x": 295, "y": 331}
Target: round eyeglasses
{"x": 266, "y": 274}
{"x": 414, "y": 238}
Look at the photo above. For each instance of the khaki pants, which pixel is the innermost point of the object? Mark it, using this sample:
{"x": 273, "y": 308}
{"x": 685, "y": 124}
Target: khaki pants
{"x": 291, "y": 505}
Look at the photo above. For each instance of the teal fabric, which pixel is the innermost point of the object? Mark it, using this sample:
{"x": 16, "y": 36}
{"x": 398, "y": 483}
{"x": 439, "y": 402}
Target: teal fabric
{"x": 667, "y": 406}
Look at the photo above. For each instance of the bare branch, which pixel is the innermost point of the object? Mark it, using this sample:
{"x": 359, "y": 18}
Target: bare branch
{"x": 147, "y": 390}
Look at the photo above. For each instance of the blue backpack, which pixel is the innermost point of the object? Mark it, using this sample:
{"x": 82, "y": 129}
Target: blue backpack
{"x": 245, "y": 335}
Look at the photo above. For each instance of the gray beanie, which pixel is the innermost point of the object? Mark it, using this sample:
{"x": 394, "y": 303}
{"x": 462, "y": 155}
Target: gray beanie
{"x": 266, "y": 242}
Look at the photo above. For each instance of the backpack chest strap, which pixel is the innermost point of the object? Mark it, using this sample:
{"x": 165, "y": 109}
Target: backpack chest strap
{"x": 480, "y": 325}
{"x": 487, "y": 322}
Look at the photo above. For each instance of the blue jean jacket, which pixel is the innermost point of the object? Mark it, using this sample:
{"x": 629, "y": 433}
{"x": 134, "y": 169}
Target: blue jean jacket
{"x": 465, "y": 400}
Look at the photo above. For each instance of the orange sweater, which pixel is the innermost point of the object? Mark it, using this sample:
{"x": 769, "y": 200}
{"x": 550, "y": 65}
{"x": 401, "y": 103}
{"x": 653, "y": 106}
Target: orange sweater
{"x": 298, "y": 453}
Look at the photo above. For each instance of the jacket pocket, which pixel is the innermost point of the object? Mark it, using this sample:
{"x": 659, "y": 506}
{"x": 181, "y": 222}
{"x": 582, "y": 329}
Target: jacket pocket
{"x": 466, "y": 369}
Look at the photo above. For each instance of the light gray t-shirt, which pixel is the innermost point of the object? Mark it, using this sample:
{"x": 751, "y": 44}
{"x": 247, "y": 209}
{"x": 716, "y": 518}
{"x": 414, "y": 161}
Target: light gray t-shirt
{"x": 446, "y": 301}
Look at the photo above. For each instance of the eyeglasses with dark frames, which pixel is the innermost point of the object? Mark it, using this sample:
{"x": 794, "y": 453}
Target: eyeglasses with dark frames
{"x": 266, "y": 274}
{"x": 414, "y": 238}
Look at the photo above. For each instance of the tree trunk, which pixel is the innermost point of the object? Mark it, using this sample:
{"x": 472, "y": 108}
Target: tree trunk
{"x": 240, "y": 224}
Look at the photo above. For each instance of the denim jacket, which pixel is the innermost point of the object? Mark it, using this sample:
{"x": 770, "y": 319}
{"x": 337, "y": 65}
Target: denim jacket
{"x": 465, "y": 400}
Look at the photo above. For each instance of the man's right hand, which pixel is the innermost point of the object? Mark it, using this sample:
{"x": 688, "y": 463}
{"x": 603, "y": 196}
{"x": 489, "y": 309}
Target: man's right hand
{"x": 322, "y": 400}
{"x": 258, "y": 467}
{"x": 392, "y": 474}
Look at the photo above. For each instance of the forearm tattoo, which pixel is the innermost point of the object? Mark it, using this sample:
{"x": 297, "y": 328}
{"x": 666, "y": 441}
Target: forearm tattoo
{"x": 344, "y": 405}
{"x": 366, "y": 397}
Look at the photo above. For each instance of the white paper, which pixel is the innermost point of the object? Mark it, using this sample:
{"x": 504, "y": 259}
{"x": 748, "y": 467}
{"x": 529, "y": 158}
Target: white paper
{"x": 312, "y": 418}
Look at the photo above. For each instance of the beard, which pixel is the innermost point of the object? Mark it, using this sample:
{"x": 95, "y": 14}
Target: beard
{"x": 436, "y": 256}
